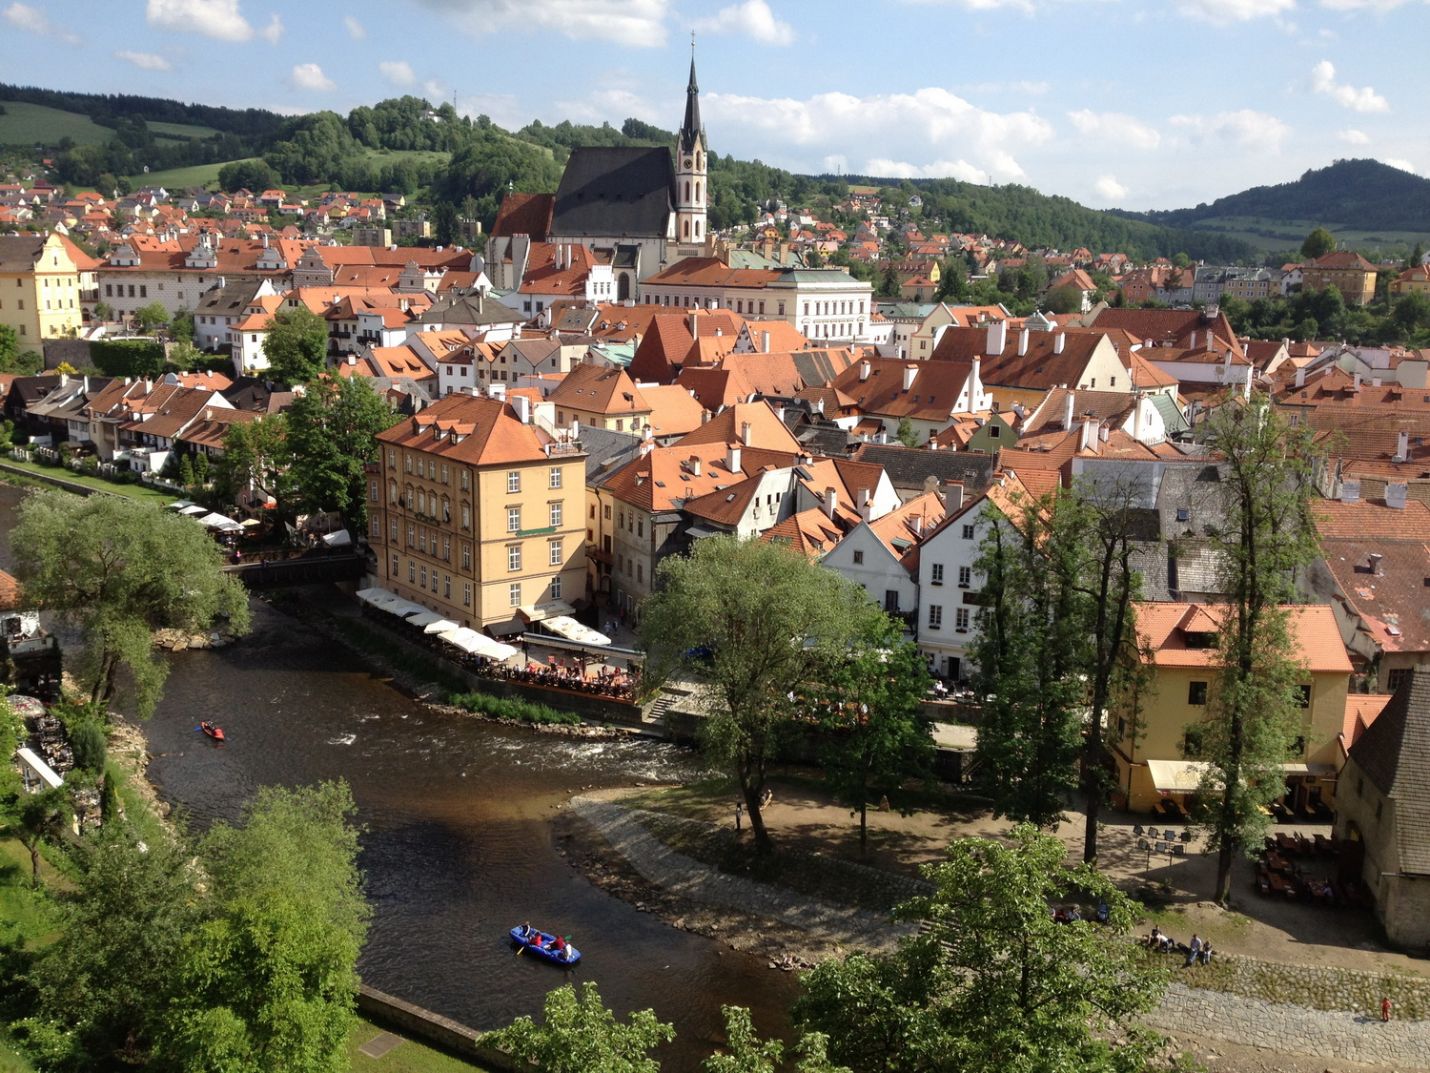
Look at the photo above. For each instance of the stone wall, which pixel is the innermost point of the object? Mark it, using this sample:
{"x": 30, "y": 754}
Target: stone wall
{"x": 441, "y": 1032}
{"x": 1318, "y": 987}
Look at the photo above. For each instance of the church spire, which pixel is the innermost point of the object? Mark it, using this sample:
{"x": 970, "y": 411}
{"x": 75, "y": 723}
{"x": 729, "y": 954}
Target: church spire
{"x": 691, "y": 131}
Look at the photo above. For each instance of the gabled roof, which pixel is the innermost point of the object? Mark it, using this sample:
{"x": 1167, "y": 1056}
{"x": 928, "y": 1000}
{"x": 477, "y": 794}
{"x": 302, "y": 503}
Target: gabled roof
{"x": 525, "y": 214}
{"x": 673, "y": 410}
{"x": 910, "y": 467}
{"x": 767, "y": 431}
{"x": 1341, "y": 259}
{"x": 1041, "y": 366}
{"x": 1394, "y": 754}
{"x": 599, "y": 389}
{"x": 477, "y": 431}
{"x": 1169, "y": 326}
{"x": 615, "y": 191}
{"x": 1176, "y": 635}
{"x": 809, "y": 532}
{"x": 933, "y": 395}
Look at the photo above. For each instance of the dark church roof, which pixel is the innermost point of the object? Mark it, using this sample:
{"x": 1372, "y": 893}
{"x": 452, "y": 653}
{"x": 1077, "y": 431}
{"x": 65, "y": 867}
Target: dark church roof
{"x": 909, "y": 467}
{"x": 615, "y": 192}
{"x": 692, "y": 131}
{"x": 1394, "y": 754}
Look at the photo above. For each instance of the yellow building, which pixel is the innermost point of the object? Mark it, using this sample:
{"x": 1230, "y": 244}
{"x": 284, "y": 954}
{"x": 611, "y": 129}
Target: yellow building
{"x": 1348, "y": 272}
{"x": 39, "y": 288}
{"x": 1411, "y": 280}
{"x": 1156, "y": 747}
{"x": 476, "y": 514}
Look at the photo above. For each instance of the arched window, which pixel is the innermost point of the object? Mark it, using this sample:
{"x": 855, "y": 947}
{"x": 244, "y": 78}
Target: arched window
{"x": 685, "y": 229}
{"x": 697, "y": 228}
{"x": 687, "y": 190}
{"x": 699, "y": 161}
{"x": 623, "y": 287}
{"x": 697, "y": 193}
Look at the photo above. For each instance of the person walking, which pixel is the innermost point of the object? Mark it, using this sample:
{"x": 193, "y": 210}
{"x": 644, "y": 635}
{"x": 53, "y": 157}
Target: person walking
{"x": 1385, "y": 1008}
{"x": 739, "y": 814}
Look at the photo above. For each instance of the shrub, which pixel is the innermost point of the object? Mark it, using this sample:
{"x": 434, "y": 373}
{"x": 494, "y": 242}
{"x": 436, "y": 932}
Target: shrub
{"x": 524, "y": 711}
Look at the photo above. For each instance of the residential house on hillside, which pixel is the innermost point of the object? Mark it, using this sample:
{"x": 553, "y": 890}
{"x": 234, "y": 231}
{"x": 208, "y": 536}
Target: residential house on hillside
{"x": 882, "y": 555}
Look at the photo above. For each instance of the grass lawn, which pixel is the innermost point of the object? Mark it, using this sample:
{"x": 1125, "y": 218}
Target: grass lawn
{"x": 133, "y": 491}
{"x": 23, "y": 911}
{"x": 409, "y": 1056}
{"x": 183, "y": 131}
{"x": 11, "y": 1061}
{"x": 183, "y": 178}
{"x": 27, "y": 124}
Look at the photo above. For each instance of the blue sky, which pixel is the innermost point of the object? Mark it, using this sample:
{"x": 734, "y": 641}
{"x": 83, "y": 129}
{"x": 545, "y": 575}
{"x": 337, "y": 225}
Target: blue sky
{"x": 1109, "y": 102}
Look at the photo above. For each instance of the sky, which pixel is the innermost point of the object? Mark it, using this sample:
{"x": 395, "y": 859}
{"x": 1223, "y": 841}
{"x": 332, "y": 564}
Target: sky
{"x": 1114, "y": 103}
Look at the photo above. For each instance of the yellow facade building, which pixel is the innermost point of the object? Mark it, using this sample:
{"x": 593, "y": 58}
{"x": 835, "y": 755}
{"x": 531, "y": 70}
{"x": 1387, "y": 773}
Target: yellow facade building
{"x": 1345, "y": 270}
{"x": 1156, "y": 745}
{"x": 1411, "y": 280}
{"x": 476, "y": 514}
{"x": 39, "y": 288}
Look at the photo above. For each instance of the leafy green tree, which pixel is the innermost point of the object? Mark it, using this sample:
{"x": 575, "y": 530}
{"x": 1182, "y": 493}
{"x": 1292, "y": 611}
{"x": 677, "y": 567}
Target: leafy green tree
{"x": 40, "y": 818}
{"x": 1268, "y": 534}
{"x": 871, "y": 711}
{"x": 103, "y": 311}
{"x": 184, "y": 356}
{"x": 758, "y": 623}
{"x": 120, "y": 569}
{"x": 907, "y": 434}
{"x": 255, "y": 458}
{"x": 332, "y": 432}
{"x": 1411, "y": 311}
{"x": 106, "y": 983}
{"x": 186, "y": 471}
{"x": 579, "y": 1034}
{"x": 296, "y": 346}
{"x": 151, "y": 318}
{"x": 1318, "y": 243}
{"x": 1417, "y": 256}
{"x": 15, "y": 360}
{"x": 85, "y": 728}
{"x": 1066, "y": 299}
{"x": 991, "y": 981}
{"x": 745, "y": 1052}
{"x": 952, "y": 280}
{"x": 890, "y": 286}
{"x": 127, "y": 357}
{"x": 268, "y": 980}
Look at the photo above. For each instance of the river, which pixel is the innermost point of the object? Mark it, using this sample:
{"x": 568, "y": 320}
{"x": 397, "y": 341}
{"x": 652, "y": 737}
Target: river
{"x": 457, "y": 844}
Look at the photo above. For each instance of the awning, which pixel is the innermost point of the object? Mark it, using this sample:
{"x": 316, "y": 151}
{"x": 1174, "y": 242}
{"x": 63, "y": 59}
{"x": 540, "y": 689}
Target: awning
{"x": 193, "y": 510}
{"x": 543, "y": 612}
{"x": 181, "y": 504}
{"x": 441, "y": 625}
{"x": 1315, "y": 771}
{"x": 477, "y": 644}
{"x": 426, "y": 618}
{"x": 569, "y": 628}
{"x": 219, "y": 522}
{"x": 507, "y": 627}
{"x": 46, "y": 774}
{"x": 340, "y": 539}
{"x": 376, "y": 597}
{"x": 1176, "y": 776}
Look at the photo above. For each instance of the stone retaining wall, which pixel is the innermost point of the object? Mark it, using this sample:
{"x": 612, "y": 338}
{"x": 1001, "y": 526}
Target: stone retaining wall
{"x": 441, "y": 1032}
{"x": 1318, "y": 987}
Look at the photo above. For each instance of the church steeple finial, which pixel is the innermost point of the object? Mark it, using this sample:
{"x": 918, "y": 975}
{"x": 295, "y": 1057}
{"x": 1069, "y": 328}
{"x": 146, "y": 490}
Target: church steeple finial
{"x": 691, "y": 131}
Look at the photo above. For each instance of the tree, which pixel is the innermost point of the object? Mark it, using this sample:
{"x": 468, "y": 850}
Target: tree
{"x": 120, "y": 569}
{"x": 1417, "y": 256}
{"x": 1065, "y": 299}
{"x": 1411, "y": 311}
{"x": 151, "y": 318}
{"x": 108, "y": 978}
{"x": 40, "y": 818}
{"x": 268, "y": 980}
{"x": 332, "y": 431}
{"x": 757, "y": 623}
{"x": 747, "y": 1053}
{"x": 991, "y": 981}
{"x": 1268, "y": 533}
{"x": 890, "y": 286}
{"x": 181, "y": 327}
{"x": 254, "y": 459}
{"x": 1318, "y": 243}
{"x": 907, "y": 434}
{"x": 296, "y": 346}
{"x": 103, "y": 312}
{"x": 870, "y": 708}
{"x": 579, "y": 1033}
{"x": 127, "y": 357}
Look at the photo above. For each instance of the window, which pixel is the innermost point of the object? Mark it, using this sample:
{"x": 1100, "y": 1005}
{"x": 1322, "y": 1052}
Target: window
{"x": 411, "y": 535}
{"x": 960, "y": 619}
{"x": 1197, "y": 693}
{"x": 444, "y": 473}
{"x": 466, "y": 556}
{"x": 411, "y": 570}
{"x": 513, "y": 557}
{"x": 446, "y": 549}
{"x": 513, "y": 519}
{"x": 466, "y": 479}
{"x": 424, "y": 577}
{"x": 554, "y": 556}
{"x": 407, "y": 463}
{"x": 965, "y": 576}
{"x": 466, "y": 515}
{"x": 447, "y": 586}
{"x": 554, "y": 478}
{"x": 466, "y": 594}
{"x": 513, "y": 480}
{"x": 858, "y": 558}
{"x": 513, "y": 594}
{"x": 392, "y": 530}
{"x": 935, "y": 616}
{"x": 1303, "y": 696}
{"x": 968, "y": 532}
{"x": 556, "y": 587}
{"x": 396, "y": 566}
{"x": 936, "y": 573}
{"x": 1396, "y": 678}
{"x": 606, "y": 511}
{"x": 556, "y": 514}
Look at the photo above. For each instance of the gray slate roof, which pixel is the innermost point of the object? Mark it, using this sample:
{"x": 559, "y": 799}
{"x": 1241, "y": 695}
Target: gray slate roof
{"x": 1394, "y": 754}
{"x": 909, "y": 467}
{"x": 615, "y": 191}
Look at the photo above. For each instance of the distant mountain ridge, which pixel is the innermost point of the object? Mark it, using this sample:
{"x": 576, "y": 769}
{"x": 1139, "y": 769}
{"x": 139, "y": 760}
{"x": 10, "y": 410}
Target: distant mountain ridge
{"x": 1361, "y": 195}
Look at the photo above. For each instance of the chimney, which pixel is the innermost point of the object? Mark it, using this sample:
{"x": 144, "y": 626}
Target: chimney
{"x": 1395, "y": 494}
{"x": 831, "y": 502}
{"x": 1374, "y": 558}
{"x": 864, "y": 368}
{"x": 910, "y": 371}
{"x": 866, "y": 511}
{"x": 997, "y": 337}
{"x": 1023, "y": 342}
{"x": 1068, "y": 403}
{"x": 522, "y": 405}
{"x": 1402, "y": 447}
{"x": 694, "y": 326}
{"x": 695, "y": 465}
{"x": 975, "y": 381}
{"x": 1137, "y": 405}
{"x": 863, "y": 498}
{"x": 1301, "y": 376}
{"x": 1059, "y": 340}
{"x": 1355, "y": 381}
{"x": 745, "y": 433}
{"x": 732, "y": 459}
{"x": 208, "y": 413}
{"x": 918, "y": 523}
{"x": 780, "y": 413}
{"x": 765, "y": 342}
{"x": 1102, "y": 432}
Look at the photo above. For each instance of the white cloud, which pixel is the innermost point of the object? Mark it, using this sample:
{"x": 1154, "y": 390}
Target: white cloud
{"x": 989, "y": 89}
{"x": 913, "y": 133}
{"x": 220, "y": 19}
{"x": 1115, "y": 127}
{"x": 882, "y": 168}
{"x": 1362, "y": 99}
{"x": 1244, "y": 128}
{"x": 637, "y": 23}
{"x": 435, "y": 91}
{"x": 1361, "y": 5}
{"x": 310, "y": 76}
{"x": 1354, "y": 137}
{"x": 1109, "y": 189}
{"x": 753, "y": 19}
{"x": 612, "y": 104}
{"x": 273, "y": 31}
{"x": 1025, "y": 6}
{"x": 398, "y": 72}
{"x": 356, "y": 30}
{"x": 1403, "y": 165}
{"x": 1225, "y": 12}
{"x": 37, "y": 22}
{"x": 147, "y": 61}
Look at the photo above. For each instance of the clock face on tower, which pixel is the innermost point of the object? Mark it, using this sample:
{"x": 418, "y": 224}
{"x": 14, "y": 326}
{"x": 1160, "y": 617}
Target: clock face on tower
{"x": 688, "y": 162}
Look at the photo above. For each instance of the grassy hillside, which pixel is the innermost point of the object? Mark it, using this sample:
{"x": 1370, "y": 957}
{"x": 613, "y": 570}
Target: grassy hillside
{"x": 1269, "y": 236}
{"x": 181, "y": 178}
{"x": 27, "y": 124}
{"x": 185, "y": 131}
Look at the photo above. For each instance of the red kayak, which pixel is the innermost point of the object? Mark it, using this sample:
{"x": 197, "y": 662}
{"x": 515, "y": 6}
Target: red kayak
{"x": 212, "y": 730}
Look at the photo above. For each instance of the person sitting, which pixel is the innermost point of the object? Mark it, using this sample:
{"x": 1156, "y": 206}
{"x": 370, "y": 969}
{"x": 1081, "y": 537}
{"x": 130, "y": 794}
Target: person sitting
{"x": 559, "y": 945}
{"x": 524, "y": 930}
{"x": 1154, "y": 941}
{"x": 1194, "y": 951}
{"x": 1206, "y": 953}
{"x": 1103, "y": 912}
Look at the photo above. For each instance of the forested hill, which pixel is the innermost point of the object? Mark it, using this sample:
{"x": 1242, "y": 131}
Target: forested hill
{"x": 1351, "y": 194}
{"x": 465, "y": 166}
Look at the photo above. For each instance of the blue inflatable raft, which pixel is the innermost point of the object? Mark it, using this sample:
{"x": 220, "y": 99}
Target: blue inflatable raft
{"x": 543, "y": 945}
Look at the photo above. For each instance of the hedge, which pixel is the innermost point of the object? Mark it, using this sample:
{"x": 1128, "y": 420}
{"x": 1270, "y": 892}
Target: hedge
{"x": 127, "y": 357}
{"x": 524, "y": 711}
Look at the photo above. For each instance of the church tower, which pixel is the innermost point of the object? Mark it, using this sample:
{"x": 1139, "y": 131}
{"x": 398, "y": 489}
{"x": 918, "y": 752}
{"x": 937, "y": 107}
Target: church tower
{"x": 691, "y": 190}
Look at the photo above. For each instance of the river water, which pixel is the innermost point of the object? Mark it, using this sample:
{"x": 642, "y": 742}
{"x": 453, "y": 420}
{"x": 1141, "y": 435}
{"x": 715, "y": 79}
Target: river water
{"x": 458, "y": 843}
